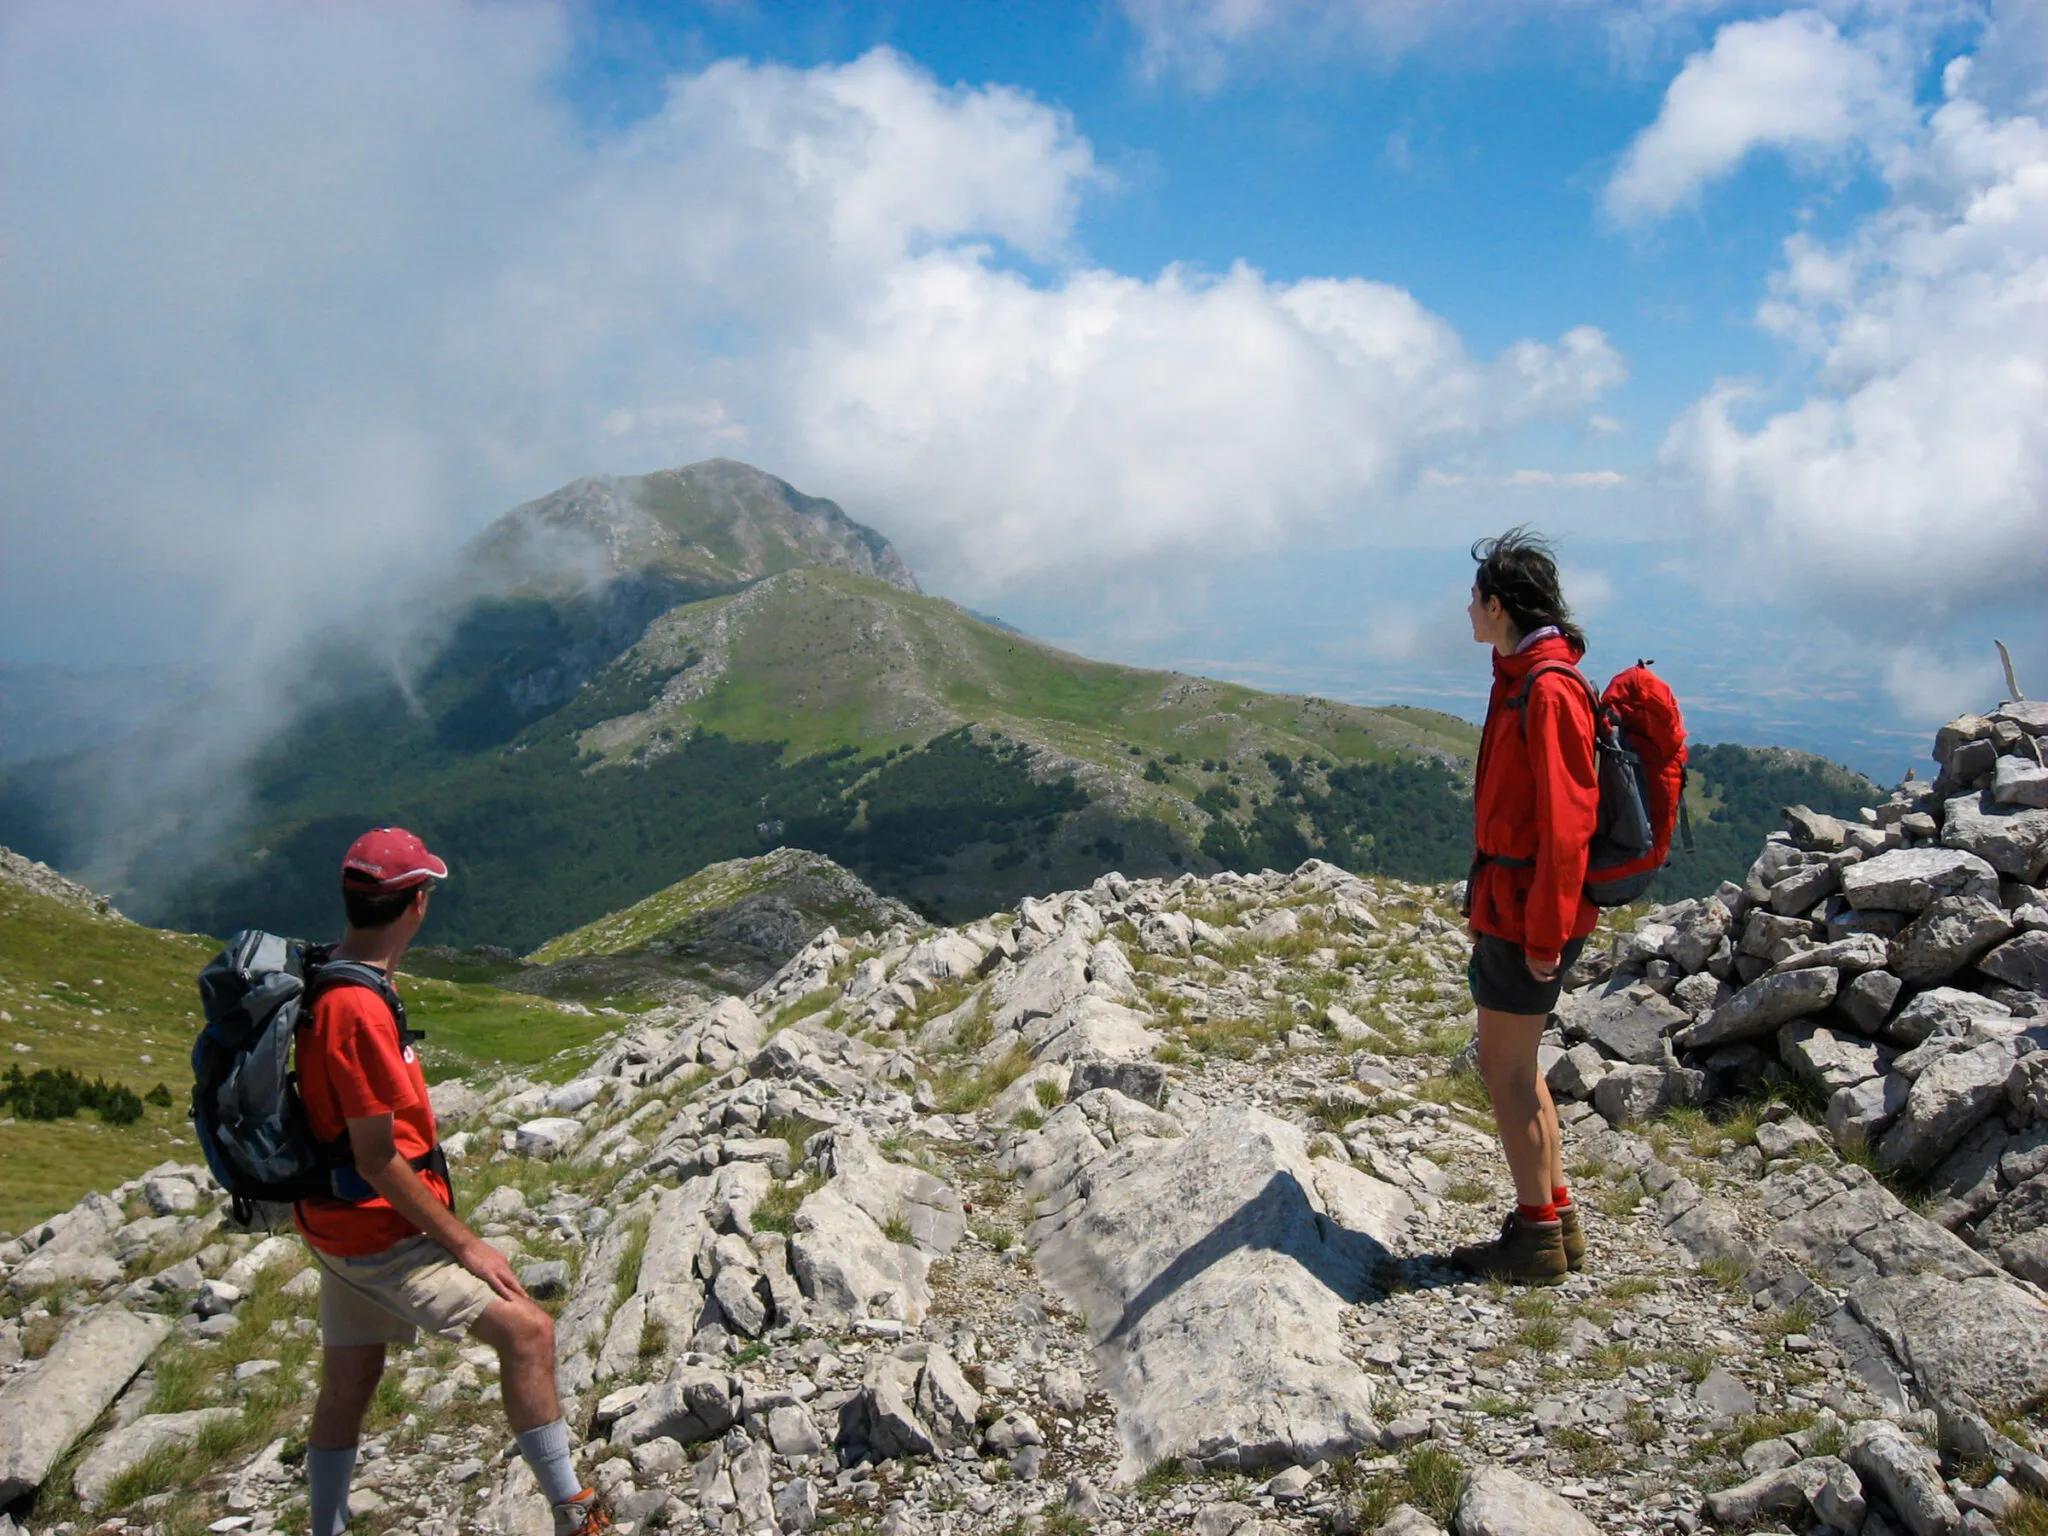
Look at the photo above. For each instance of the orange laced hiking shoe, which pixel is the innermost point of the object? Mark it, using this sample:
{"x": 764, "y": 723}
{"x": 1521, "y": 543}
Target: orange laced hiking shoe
{"x": 1574, "y": 1236}
{"x": 1525, "y": 1253}
{"x": 583, "y": 1515}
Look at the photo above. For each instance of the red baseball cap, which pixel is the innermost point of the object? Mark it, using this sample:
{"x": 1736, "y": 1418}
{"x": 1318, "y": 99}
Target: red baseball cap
{"x": 389, "y": 859}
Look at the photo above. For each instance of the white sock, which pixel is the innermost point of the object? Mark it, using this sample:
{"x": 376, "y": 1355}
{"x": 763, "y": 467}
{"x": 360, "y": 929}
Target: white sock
{"x": 546, "y": 1450}
{"x": 328, "y": 1474}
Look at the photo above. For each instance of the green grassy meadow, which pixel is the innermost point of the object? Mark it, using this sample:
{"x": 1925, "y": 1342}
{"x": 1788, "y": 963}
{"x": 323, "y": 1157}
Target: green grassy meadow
{"x": 115, "y": 1000}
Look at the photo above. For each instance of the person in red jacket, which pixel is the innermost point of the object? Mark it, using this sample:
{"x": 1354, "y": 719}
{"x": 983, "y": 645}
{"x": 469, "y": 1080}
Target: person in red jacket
{"x": 1536, "y": 801}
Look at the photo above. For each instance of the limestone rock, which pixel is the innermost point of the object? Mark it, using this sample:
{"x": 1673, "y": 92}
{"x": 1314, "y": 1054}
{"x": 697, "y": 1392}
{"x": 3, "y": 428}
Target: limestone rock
{"x": 891, "y": 1191}
{"x": 1498, "y": 1503}
{"x": 123, "y": 1448}
{"x": 1577, "y": 1073}
{"x": 1913, "y": 879}
{"x": 1631, "y": 1094}
{"x": 1213, "y": 1288}
{"x": 2012, "y": 840}
{"x": 1763, "y": 1005}
{"x": 1948, "y": 937}
{"x": 1867, "y": 1001}
{"x": 2021, "y": 962}
{"x": 42, "y": 1411}
{"x": 548, "y": 1136}
{"x": 1944, "y": 1011}
{"x": 880, "y": 1420}
{"x": 1981, "y": 1339}
{"x": 1778, "y": 1492}
{"x": 1862, "y": 1110}
{"x": 1629, "y": 1025}
{"x": 1839, "y": 1502}
{"x": 693, "y": 1404}
{"x": 1852, "y": 955}
{"x": 1826, "y": 1061}
{"x": 2020, "y": 782}
{"x": 1724, "y": 1396}
{"x": 849, "y": 1269}
{"x": 1947, "y": 1100}
{"x": 1144, "y": 1081}
{"x": 946, "y": 1402}
{"x": 1908, "y": 1476}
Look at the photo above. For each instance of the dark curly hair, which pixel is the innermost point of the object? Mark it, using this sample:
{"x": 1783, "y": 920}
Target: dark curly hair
{"x": 1520, "y": 570}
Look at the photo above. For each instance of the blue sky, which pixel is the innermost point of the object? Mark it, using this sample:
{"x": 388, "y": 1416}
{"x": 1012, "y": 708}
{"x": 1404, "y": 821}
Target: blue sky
{"x": 1199, "y": 333}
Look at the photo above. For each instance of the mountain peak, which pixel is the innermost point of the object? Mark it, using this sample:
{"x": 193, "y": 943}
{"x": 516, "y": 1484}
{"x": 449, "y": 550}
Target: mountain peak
{"x": 717, "y": 523}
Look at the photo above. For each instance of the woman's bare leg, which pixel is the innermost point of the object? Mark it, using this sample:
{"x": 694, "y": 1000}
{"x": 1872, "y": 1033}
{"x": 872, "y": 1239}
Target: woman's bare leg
{"x": 1523, "y": 1113}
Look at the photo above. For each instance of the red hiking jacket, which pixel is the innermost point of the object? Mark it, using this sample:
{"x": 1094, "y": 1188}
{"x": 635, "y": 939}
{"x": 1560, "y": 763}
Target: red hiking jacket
{"x": 1538, "y": 801}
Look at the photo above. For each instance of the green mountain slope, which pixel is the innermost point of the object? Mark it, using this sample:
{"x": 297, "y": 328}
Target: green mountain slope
{"x": 1735, "y": 796}
{"x": 637, "y": 678}
{"x": 86, "y": 991}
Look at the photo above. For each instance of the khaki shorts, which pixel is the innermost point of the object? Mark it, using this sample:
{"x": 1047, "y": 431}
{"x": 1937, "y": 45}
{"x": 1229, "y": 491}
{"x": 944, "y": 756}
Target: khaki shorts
{"x": 382, "y": 1298}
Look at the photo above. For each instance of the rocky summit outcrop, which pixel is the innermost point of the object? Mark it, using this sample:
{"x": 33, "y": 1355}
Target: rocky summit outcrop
{"x": 1130, "y": 1210}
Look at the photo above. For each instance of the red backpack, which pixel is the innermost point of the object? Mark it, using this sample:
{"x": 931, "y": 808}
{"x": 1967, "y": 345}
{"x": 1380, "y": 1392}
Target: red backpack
{"x": 1639, "y": 738}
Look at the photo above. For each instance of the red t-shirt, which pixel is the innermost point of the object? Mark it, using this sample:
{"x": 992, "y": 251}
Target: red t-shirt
{"x": 351, "y": 1067}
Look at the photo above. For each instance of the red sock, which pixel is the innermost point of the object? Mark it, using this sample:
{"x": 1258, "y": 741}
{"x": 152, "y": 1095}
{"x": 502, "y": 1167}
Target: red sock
{"x": 1560, "y": 1196}
{"x": 1545, "y": 1212}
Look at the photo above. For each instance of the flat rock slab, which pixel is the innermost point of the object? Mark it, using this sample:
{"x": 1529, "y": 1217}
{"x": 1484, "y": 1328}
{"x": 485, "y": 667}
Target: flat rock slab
{"x": 125, "y": 1447}
{"x": 1913, "y": 879}
{"x": 1983, "y": 1338}
{"x": 42, "y": 1412}
{"x": 1214, "y": 1275}
{"x": 1498, "y": 1503}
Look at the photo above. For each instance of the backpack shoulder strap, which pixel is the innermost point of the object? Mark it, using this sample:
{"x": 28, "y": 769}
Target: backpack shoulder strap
{"x": 1520, "y": 702}
{"x": 353, "y": 973}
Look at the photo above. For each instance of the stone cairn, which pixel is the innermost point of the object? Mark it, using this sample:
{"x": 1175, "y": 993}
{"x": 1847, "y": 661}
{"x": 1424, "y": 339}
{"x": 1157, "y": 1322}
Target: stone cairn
{"x": 1895, "y": 969}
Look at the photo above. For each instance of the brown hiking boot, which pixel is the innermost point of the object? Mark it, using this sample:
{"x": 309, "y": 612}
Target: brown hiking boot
{"x": 1525, "y": 1253}
{"x": 1574, "y": 1236}
{"x": 583, "y": 1515}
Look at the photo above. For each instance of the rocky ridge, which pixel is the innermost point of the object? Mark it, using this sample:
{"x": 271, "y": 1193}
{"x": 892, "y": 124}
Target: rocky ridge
{"x": 1126, "y": 1211}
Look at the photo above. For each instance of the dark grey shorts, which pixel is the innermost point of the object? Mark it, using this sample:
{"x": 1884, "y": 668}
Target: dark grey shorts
{"x": 1499, "y": 976}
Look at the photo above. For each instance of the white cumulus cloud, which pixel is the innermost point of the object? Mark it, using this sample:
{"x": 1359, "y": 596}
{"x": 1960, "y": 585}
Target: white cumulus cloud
{"x": 296, "y": 295}
{"x": 1791, "y": 82}
{"x": 1908, "y": 489}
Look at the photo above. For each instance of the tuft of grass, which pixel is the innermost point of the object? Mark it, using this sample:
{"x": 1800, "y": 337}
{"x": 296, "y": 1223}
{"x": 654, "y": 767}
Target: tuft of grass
{"x": 1050, "y": 1095}
{"x": 1610, "y": 1360}
{"x": 1436, "y": 1482}
{"x": 1234, "y": 1039}
{"x": 1002, "y": 1239}
{"x": 794, "y": 1131}
{"x": 1589, "y": 1452}
{"x": 1161, "y": 1478}
{"x": 1697, "y": 1364}
{"x": 1497, "y": 1406}
{"x": 811, "y": 1002}
{"x": 1027, "y": 1119}
{"x": 965, "y": 1088}
{"x": 777, "y": 1210}
{"x": 1540, "y": 1335}
{"x": 1619, "y": 1202}
{"x": 1752, "y": 1429}
{"x": 1641, "y": 1425}
{"x": 180, "y": 1382}
{"x": 897, "y": 1228}
{"x": 628, "y": 1278}
{"x": 1725, "y": 1270}
{"x": 1629, "y": 1287}
{"x": 2027, "y": 1517}
{"x": 1797, "y": 1318}
{"x": 1469, "y": 1192}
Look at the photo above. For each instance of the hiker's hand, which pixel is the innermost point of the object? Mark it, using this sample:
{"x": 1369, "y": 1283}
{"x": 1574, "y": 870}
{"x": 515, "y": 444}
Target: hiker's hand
{"x": 1544, "y": 973}
{"x": 491, "y": 1267}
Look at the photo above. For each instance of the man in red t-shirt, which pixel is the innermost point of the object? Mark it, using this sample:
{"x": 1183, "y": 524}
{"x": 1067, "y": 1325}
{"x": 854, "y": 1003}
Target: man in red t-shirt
{"x": 398, "y": 1259}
